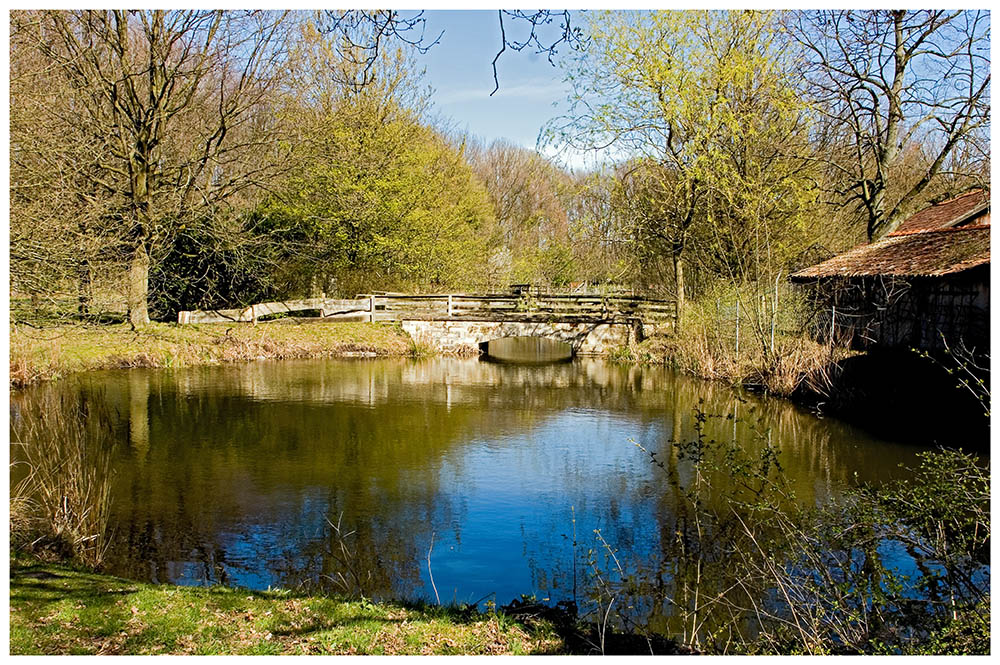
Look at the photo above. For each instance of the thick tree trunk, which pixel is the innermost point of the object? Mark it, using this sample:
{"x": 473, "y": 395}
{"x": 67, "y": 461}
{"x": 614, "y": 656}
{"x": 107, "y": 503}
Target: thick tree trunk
{"x": 679, "y": 282}
{"x": 138, "y": 287}
{"x": 876, "y": 214}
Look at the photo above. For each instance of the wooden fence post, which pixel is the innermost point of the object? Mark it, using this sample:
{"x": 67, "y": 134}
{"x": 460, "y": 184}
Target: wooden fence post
{"x": 737, "y": 329}
{"x": 774, "y": 310}
{"x": 449, "y": 306}
{"x": 371, "y": 309}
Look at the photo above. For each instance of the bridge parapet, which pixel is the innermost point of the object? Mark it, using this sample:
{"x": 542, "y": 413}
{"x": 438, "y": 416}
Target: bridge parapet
{"x": 526, "y": 308}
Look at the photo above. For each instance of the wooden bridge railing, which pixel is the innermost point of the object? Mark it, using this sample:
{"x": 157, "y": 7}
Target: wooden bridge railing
{"x": 460, "y": 307}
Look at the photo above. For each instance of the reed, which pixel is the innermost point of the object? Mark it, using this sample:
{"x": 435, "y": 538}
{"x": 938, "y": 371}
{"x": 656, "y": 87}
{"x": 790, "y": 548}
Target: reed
{"x": 61, "y": 458}
{"x": 732, "y": 335}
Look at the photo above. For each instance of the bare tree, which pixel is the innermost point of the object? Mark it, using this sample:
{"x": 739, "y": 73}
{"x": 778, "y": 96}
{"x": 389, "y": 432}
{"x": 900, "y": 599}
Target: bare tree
{"x": 528, "y": 195}
{"x": 363, "y": 34}
{"x": 175, "y": 105}
{"x": 886, "y": 80}
{"x": 536, "y": 22}
{"x": 56, "y": 208}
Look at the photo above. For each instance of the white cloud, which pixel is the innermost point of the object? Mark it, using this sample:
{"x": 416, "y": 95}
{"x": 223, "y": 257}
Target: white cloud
{"x": 539, "y": 90}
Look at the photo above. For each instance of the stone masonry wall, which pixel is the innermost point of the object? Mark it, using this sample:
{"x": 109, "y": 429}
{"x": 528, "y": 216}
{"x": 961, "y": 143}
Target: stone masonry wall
{"x": 456, "y": 336}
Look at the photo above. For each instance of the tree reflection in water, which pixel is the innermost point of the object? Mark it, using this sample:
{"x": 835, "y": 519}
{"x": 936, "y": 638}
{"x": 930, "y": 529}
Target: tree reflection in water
{"x": 233, "y": 474}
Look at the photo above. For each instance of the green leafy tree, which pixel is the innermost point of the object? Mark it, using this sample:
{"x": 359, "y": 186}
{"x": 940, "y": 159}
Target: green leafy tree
{"x": 377, "y": 199}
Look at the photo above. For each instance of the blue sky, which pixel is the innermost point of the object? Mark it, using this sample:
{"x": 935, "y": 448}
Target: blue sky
{"x": 459, "y": 69}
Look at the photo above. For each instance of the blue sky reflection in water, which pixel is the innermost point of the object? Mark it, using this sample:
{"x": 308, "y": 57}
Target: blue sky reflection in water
{"x": 233, "y": 474}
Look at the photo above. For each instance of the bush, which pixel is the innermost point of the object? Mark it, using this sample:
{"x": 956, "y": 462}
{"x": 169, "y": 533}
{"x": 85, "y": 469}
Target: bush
{"x": 899, "y": 568}
{"x": 210, "y": 270}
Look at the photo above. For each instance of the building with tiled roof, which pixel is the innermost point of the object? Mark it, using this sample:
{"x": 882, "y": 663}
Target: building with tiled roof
{"x": 924, "y": 285}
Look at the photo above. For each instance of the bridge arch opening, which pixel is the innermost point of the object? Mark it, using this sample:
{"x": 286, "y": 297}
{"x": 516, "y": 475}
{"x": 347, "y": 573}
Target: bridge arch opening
{"x": 526, "y": 350}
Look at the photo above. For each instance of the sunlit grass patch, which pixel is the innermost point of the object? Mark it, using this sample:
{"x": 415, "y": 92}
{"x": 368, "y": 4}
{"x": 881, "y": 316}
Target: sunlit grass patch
{"x": 49, "y": 353}
{"x": 60, "y": 610}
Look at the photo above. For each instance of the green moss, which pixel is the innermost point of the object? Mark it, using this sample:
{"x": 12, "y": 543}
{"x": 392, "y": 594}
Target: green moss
{"x": 61, "y": 610}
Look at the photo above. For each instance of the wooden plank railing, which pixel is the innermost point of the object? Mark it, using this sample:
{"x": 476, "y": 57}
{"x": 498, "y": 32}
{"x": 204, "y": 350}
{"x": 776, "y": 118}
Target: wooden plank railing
{"x": 327, "y": 308}
{"x": 468, "y": 307}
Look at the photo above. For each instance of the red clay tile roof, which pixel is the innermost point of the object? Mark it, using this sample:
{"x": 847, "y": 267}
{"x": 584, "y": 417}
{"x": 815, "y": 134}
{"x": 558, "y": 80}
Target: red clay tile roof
{"x": 942, "y": 239}
{"x": 946, "y": 214}
{"x": 911, "y": 255}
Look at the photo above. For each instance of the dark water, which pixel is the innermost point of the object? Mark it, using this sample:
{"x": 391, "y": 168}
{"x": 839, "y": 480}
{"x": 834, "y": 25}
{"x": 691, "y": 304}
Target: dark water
{"x": 233, "y": 474}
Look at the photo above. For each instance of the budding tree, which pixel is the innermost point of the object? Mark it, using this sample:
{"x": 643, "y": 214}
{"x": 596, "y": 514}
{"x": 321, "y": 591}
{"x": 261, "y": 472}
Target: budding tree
{"x": 702, "y": 105}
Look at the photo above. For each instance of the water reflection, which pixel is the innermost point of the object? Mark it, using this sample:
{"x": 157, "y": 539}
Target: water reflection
{"x": 526, "y": 350}
{"x": 234, "y": 474}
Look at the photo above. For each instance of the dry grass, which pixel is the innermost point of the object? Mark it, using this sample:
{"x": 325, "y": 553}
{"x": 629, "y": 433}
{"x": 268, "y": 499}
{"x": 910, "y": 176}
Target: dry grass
{"x": 707, "y": 348}
{"x": 48, "y": 353}
{"x": 60, "y": 505}
{"x": 796, "y": 363}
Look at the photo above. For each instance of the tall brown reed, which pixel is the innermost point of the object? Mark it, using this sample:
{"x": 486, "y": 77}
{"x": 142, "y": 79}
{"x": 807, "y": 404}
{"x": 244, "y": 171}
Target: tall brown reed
{"x": 729, "y": 335}
{"x": 61, "y": 458}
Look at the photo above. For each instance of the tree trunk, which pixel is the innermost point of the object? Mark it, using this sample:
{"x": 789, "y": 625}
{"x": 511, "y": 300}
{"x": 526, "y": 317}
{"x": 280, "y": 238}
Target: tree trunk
{"x": 83, "y": 272}
{"x": 679, "y": 282}
{"x": 138, "y": 287}
{"x": 876, "y": 213}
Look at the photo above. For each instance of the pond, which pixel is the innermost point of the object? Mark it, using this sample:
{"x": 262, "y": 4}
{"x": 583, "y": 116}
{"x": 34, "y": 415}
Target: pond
{"x": 450, "y": 479}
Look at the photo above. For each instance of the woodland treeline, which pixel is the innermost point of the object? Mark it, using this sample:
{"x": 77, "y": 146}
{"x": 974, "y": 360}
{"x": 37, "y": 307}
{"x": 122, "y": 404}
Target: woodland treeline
{"x": 163, "y": 161}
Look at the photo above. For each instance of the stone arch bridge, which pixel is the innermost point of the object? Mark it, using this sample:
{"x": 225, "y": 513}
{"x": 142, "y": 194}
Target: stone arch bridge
{"x": 457, "y": 323}
{"x": 467, "y": 336}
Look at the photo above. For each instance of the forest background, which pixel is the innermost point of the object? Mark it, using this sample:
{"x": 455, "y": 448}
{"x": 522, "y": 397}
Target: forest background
{"x": 167, "y": 161}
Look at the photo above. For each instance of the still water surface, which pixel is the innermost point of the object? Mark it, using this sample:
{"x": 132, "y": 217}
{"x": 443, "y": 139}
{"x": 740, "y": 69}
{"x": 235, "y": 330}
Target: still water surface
{"x": 233, "y": 474}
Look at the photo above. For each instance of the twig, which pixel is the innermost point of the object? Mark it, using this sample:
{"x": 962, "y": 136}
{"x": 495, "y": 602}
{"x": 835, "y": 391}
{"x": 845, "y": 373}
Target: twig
{"x": 429, "y": 572}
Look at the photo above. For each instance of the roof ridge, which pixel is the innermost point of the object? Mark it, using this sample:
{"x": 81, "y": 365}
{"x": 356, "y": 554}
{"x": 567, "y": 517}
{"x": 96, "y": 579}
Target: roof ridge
{"x": 969, "y": 192}
{"x": 946, "y": 229}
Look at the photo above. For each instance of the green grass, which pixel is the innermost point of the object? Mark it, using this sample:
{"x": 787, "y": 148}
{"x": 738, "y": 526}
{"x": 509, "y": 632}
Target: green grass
{"x": 60, "y": 610}
{"x": 39, "y": 354}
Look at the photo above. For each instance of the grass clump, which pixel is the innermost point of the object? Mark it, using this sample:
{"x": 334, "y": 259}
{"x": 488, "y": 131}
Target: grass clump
{"x": 61, "y": 610}
{"x": 746, "y": 338}
{"x": 61, "y": 473}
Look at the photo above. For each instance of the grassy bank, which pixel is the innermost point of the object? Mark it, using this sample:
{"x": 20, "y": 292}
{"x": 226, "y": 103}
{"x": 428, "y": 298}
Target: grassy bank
{"x": 60, "y": 610}
{"x": 51, "y": 352}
